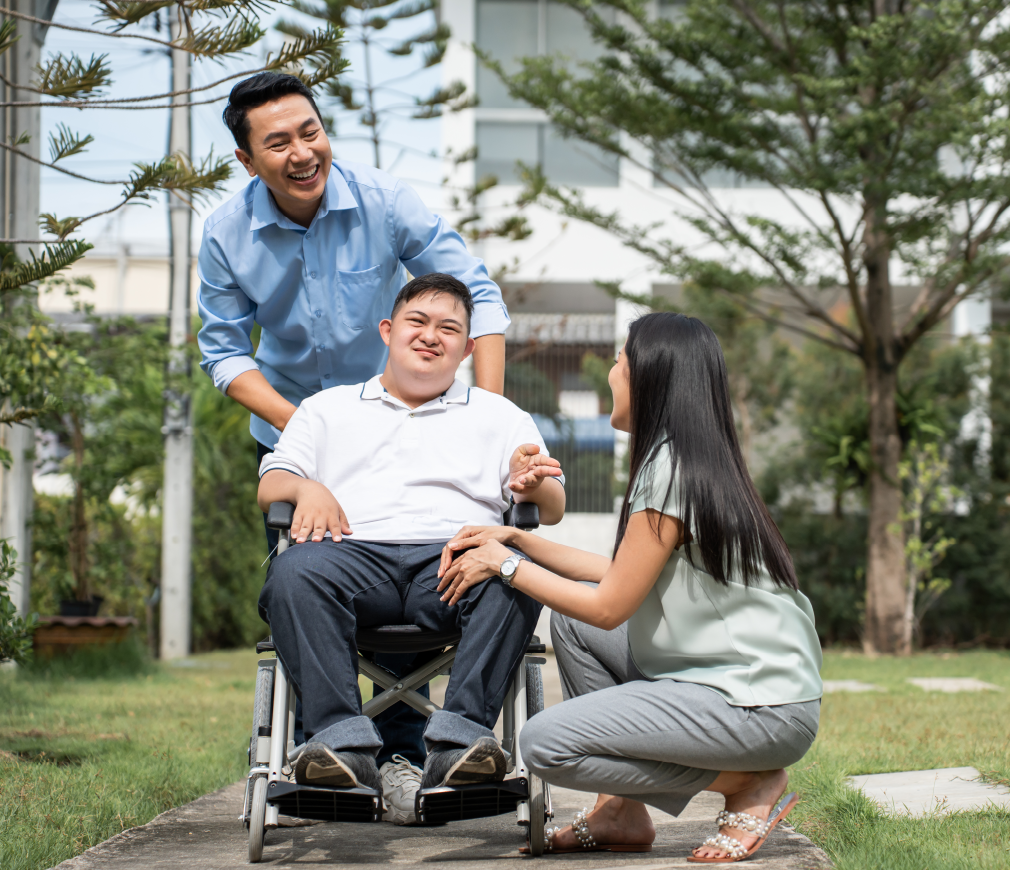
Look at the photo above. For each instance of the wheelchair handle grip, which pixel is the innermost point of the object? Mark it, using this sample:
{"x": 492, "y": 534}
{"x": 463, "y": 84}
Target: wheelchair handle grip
{"x": 525, "y": 515}
{"x": 280, "y": 515}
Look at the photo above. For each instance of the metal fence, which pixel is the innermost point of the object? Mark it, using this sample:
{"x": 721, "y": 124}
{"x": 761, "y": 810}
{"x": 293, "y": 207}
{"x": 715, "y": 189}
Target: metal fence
{"x": 554, "y": 369}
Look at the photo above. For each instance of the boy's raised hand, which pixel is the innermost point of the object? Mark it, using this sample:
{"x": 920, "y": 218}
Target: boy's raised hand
{"x": 528, "y": 467}
{"x": 316, "y": 513}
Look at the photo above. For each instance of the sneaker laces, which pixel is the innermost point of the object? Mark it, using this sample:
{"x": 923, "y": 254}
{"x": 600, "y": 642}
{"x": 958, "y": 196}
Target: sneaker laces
{"x": 404, "y": 770}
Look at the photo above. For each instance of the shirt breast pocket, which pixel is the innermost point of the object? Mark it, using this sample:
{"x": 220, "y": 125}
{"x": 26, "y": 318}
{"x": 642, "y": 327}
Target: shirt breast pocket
{"x": 359, "y": 294}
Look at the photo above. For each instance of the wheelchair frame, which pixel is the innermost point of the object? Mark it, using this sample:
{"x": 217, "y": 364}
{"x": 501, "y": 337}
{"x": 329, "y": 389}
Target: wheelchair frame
{"x": 270, "y": 790}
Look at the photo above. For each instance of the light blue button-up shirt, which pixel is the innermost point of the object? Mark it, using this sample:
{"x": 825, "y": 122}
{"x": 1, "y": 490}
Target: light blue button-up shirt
{"x": 319, "y": 293}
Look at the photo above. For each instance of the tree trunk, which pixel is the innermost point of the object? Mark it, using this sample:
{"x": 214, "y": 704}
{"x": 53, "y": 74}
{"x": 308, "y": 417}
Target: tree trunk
{"x": 885, "y": 562}
{"x": 79, "y": 530}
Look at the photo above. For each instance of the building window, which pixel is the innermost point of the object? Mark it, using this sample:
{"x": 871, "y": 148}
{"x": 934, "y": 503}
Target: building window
{"x": 510, "y": 30}
{"x": 564, "y": 161}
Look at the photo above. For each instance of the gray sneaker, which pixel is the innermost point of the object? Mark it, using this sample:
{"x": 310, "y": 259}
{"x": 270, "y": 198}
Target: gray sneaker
{"x": 400, "y": 782}
{"x": 320, "y": 765}
{"x": 481, "y": 761}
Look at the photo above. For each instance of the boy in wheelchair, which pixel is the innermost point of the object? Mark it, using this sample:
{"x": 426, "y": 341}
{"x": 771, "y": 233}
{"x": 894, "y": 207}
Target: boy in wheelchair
{"x": 382, "y": 475}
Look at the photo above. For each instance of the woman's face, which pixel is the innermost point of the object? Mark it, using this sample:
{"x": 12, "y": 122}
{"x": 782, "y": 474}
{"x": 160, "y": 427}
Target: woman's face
{"x": 619, "y": 378}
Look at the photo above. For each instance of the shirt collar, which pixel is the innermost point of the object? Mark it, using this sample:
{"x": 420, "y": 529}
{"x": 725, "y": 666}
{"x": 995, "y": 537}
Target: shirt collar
{"x": 337, "y": 196}
{"x": 457, "y": 394}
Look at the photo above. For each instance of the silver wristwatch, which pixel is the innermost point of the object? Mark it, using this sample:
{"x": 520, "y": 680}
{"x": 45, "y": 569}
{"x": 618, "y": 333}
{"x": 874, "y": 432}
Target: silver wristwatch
{"x": 508, "y": 569}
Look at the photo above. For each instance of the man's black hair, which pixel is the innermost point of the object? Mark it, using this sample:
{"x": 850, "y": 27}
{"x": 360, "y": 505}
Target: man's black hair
{"x": 439, "y": 283}
{"x": 255, "y": 91}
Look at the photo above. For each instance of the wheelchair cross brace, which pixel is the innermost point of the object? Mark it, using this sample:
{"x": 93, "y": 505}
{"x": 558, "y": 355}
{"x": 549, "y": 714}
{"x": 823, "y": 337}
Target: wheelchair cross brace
{"x": 402, "y": 689}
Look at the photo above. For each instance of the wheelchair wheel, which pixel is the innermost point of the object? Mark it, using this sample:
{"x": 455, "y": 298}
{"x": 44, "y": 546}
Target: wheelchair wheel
{"x": 262, "y": 706}
{"x": 257, "y": 819}
{"x": 538, "y": 788}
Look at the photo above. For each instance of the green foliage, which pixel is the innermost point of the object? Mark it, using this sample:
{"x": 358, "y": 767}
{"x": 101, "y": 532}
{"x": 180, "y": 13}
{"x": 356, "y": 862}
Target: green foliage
{"x": 596, "y": 371}
{"x": 15, "y": 631}
{"x": 217, "y": 30}
{"x": 851, "y": 104}
{"x": 112, "y": 661}
{"x": 826, "y": 464}
{"x": 928, "y": 494}
{"x": 531, "y": 389}
{"x": 70, "y": 77}
{"x": 119, "y": 478}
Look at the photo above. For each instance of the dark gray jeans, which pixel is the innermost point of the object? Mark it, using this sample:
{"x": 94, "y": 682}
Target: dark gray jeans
{"x": 655, "y": 741}
{"x": 318, "y": 593}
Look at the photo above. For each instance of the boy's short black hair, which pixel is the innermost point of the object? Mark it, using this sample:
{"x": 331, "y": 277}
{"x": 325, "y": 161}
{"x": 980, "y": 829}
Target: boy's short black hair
{"x": 438, "y": 283}
{"x": 255, "y": 91}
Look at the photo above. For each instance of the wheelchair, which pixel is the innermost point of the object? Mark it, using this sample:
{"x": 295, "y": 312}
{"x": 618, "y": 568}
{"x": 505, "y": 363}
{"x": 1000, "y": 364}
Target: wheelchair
{"x": 271, "y": 790}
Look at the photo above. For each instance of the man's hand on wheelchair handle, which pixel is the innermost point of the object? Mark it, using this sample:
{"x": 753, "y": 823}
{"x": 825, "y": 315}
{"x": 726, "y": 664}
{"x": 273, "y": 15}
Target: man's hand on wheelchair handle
{"x": 474, "y": 566}
{"x": 528, "y": 467}
{"x": 316, "y": 513}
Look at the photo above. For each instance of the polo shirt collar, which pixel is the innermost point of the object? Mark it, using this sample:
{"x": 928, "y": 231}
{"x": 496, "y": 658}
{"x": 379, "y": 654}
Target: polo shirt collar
{"x": 457, "y": 394}
{"x": 337, "y": 196}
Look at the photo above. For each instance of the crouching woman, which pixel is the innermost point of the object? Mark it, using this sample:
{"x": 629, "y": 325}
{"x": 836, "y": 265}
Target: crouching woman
{"x": 689, "y": 661}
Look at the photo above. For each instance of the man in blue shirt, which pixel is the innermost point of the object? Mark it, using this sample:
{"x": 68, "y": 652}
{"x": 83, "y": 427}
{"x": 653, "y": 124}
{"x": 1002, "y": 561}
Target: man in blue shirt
{"x": 314, "y": 251}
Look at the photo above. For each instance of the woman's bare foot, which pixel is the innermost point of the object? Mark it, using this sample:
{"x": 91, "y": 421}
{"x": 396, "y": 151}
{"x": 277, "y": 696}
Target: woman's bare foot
{"x": 753, "y": 793}
{"x": 614, "y": 821}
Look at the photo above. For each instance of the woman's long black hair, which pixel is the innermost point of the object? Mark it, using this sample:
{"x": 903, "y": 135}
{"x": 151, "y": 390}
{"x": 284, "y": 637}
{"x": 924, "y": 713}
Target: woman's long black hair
{"x": 680, "y": 402}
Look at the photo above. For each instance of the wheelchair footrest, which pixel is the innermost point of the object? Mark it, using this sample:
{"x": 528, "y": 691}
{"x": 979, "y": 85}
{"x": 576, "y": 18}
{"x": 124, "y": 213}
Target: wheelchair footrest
{"x": 327, "y": 804}
{"x": 436, "y": 806}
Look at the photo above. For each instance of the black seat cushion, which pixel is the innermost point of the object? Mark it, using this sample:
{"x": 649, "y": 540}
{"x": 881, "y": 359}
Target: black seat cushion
{"x": 404, "y": 638}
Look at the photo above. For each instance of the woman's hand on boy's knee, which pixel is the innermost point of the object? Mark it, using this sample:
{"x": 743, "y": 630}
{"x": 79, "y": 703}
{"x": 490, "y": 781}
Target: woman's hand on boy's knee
{"x": 469, "y": 537}
{"x": 472, "y": 567}
{"x": 316, "y": 513}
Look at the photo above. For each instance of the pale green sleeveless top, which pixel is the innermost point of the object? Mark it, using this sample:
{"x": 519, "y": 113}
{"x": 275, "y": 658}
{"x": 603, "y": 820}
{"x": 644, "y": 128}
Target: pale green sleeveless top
{"x": 754, "y": 645}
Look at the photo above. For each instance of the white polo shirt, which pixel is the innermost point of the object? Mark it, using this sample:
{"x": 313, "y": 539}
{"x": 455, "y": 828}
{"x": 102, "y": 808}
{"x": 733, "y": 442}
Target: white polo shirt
{"x": 407, "y": 476}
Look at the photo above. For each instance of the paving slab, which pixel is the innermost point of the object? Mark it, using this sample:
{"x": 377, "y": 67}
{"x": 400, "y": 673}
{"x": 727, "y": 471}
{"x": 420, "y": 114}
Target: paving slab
{"x": 929, "y": 792}
{"x": 851, "y": 686}
{"x": 206, "y": 835}
{"x": 953, "y": 684}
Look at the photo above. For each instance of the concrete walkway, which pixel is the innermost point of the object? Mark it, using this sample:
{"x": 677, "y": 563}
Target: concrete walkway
{"x": 205, "y": 835}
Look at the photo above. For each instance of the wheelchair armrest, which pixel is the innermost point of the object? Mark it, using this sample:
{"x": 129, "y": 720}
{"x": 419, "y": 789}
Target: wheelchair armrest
{"x": 524, "y": 515}
{"x": 280, "y": 515}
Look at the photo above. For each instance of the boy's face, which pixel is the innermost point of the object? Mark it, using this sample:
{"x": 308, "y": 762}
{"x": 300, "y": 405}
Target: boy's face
{"x": 427, "y": 339}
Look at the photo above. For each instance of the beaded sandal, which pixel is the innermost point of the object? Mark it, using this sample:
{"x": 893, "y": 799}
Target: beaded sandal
{"x": 734, "y": 849}
{"x": 580, "y": 827}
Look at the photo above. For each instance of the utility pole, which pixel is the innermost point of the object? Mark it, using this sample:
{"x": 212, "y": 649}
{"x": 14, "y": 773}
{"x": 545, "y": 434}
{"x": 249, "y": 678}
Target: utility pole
{"x": 19, "y": 197}
{"x": 177, "y": 489}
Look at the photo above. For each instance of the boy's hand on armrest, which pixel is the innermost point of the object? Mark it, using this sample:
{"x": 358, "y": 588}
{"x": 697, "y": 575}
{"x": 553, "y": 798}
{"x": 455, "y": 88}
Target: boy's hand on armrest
{"x": 528, "y": 467}
{"x": 316, "y": 510}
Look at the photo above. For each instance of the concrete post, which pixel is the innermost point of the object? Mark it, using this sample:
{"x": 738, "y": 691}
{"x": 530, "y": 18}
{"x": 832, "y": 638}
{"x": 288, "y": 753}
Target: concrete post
{"x": 177, "y": 491}
{"x": 19, "y": 199}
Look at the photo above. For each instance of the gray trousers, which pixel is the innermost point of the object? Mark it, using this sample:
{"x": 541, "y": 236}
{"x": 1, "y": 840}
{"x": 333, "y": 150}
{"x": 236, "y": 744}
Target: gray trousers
{"x": 655, "y": 741}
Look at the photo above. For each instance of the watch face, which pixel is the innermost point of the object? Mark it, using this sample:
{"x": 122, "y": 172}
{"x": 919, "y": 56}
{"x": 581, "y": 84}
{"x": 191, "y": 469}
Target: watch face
{"x": 509, "y": 566}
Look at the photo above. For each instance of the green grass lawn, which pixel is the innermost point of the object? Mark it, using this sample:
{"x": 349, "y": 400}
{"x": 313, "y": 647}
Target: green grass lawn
{"x": 907, "y": 729}
{"x": 82, "y": 759}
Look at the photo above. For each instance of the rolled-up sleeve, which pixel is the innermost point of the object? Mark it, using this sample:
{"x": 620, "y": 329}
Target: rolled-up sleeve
{"x": 227, "y": 315}
{"x": 426, "y": 243}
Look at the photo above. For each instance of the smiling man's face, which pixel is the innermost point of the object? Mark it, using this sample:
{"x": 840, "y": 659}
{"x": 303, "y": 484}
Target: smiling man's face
{"x": 428, "y": 337}
{"x": 290, "y": 153}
